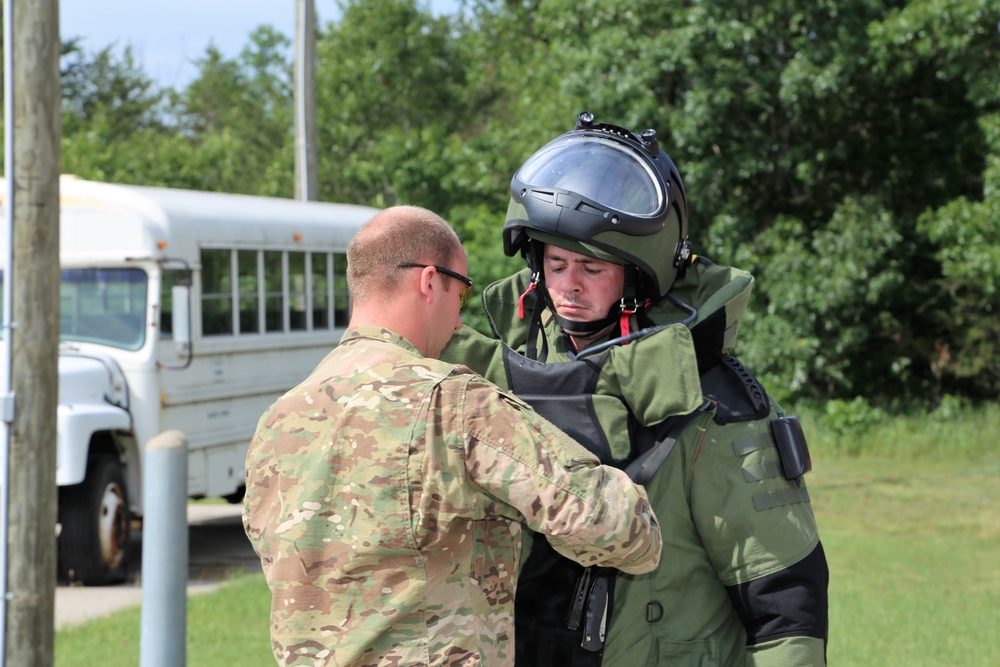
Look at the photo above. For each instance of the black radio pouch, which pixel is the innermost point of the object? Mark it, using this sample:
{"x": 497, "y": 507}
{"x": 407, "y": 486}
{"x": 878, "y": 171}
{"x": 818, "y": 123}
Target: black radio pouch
{"x": 792, "y": 447}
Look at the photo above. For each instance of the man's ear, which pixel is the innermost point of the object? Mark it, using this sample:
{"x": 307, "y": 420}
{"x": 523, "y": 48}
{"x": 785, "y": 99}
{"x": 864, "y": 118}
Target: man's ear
{"x": 426, "y": 285}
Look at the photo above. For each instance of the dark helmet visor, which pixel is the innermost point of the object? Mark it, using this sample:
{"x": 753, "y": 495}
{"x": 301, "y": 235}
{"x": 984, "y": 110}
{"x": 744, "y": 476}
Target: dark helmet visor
{"x": 607, "y": 173}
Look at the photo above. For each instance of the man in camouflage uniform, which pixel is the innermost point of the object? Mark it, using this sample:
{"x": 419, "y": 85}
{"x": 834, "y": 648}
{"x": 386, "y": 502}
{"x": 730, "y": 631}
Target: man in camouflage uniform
{"x": 385, "y": 494}
{"x": 618, "y": 334}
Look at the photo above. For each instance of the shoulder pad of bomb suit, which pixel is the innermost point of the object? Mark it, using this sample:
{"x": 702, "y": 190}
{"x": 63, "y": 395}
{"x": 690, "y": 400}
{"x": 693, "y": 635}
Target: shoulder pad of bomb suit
{"x": 738, "y": 395}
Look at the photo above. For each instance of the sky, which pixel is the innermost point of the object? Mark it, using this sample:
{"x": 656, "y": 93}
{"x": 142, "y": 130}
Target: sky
{"x": 166, "y": 36}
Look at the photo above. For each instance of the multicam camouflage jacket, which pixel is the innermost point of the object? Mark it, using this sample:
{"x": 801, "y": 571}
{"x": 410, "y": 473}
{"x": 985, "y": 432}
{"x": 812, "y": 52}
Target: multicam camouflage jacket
{"x": 385, "y": 496}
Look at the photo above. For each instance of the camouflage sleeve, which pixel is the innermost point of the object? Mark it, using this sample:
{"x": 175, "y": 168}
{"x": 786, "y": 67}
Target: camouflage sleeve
{"x": 590, "y": 513}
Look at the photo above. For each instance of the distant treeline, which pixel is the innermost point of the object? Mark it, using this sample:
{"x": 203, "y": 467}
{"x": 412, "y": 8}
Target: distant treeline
{"x": 846, "y": 152}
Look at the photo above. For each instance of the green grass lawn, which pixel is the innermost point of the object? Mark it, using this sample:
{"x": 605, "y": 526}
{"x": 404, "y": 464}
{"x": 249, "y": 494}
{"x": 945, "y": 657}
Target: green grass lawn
{"x": 914, "y": 553}
{"x": 913, "y": 547}
{"x": 225, "y": 628}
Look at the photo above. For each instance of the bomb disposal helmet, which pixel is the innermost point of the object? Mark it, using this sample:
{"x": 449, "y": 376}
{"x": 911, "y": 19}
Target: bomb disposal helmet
{"x": 605, "y": 192}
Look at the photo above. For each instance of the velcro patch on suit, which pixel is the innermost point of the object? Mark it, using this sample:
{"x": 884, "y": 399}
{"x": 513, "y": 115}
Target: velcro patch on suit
{"x": 752, "y": 443}
{"x": 765, "y": 470}
{"x": 779, "y": 497}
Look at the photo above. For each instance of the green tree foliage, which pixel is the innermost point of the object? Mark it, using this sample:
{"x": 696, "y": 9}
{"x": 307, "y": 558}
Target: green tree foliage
{"x": 115, "y": 121}
{"x": 237, "y": 114}
{"x": 229, "y": 130}
{"x": 400, "y": 122}
{"x": 958, "y": 42}
{"x": 830, "y": 292}
{"x": 888, "y": 119}
{"x": 847, "y": 152}
{"x": 388, "y": 95}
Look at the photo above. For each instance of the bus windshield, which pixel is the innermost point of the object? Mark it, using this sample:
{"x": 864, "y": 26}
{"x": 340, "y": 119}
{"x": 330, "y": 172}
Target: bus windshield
{"x": 104, "y": 306}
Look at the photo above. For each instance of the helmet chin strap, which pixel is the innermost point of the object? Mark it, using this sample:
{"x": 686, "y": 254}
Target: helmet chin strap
{"x": 577, "y": 328}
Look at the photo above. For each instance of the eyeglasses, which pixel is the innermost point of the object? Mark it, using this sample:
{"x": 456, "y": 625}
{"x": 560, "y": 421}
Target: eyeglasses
{"x": 463, "y": 294}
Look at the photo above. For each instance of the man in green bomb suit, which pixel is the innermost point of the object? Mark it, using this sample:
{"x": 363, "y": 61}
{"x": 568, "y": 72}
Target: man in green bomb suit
{"x": 622, "y": 337}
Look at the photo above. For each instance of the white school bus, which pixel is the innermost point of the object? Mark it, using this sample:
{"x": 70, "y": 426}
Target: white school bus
{"x": 179, "y": 310}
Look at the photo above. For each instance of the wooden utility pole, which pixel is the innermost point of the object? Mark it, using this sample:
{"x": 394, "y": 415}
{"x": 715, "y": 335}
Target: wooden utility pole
{"x": 306, "y": 182}
{"x": 34, "y": 333}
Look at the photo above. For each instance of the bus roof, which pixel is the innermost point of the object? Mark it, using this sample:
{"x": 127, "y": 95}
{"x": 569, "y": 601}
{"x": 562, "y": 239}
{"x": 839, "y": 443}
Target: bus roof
{"x": 102, "y": 222}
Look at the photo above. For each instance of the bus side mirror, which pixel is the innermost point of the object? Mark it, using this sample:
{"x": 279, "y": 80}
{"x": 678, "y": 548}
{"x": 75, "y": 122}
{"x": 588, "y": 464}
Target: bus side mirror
{"x": 181, "y": 297}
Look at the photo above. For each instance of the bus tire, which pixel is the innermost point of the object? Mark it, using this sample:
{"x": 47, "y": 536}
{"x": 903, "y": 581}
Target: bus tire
{"x": 94, "y": 539}
{"x": 237, "y": 496}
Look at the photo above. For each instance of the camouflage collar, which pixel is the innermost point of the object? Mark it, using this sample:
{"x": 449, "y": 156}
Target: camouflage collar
{"x": 380, "y": 334}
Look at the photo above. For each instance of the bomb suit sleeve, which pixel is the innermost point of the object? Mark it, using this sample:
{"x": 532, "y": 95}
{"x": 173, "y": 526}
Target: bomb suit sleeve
{"x": 760, "y": 534}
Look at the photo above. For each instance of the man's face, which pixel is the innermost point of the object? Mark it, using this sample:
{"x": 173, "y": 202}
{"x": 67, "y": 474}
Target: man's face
{"x": 581, "y": 288}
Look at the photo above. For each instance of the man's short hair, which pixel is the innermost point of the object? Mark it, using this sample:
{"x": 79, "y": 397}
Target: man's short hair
{"x": 397, "y": 235}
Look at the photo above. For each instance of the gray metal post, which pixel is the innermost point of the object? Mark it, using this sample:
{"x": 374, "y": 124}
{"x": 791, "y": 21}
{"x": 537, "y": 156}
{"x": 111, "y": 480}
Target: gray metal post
{"x": 163, "y": 636}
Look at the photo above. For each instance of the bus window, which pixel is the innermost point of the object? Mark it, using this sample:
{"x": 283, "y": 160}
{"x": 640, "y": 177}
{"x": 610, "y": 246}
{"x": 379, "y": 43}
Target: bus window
{"x": 246, "y": 266}
{"x": 297, "y": 291}
{"x": 105, "y": 306}
{"x": 276, "y": 291}
{"x": 167, "y": 282}
{"x": 216, "y": 292}
{"x": 273, "y": 292}
{"x": 320, "y": 288}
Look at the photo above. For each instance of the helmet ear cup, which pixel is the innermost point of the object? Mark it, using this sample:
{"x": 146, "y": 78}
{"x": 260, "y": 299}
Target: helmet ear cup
{"x": 682, "y": 257}
{"x": 533, "y": 252}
